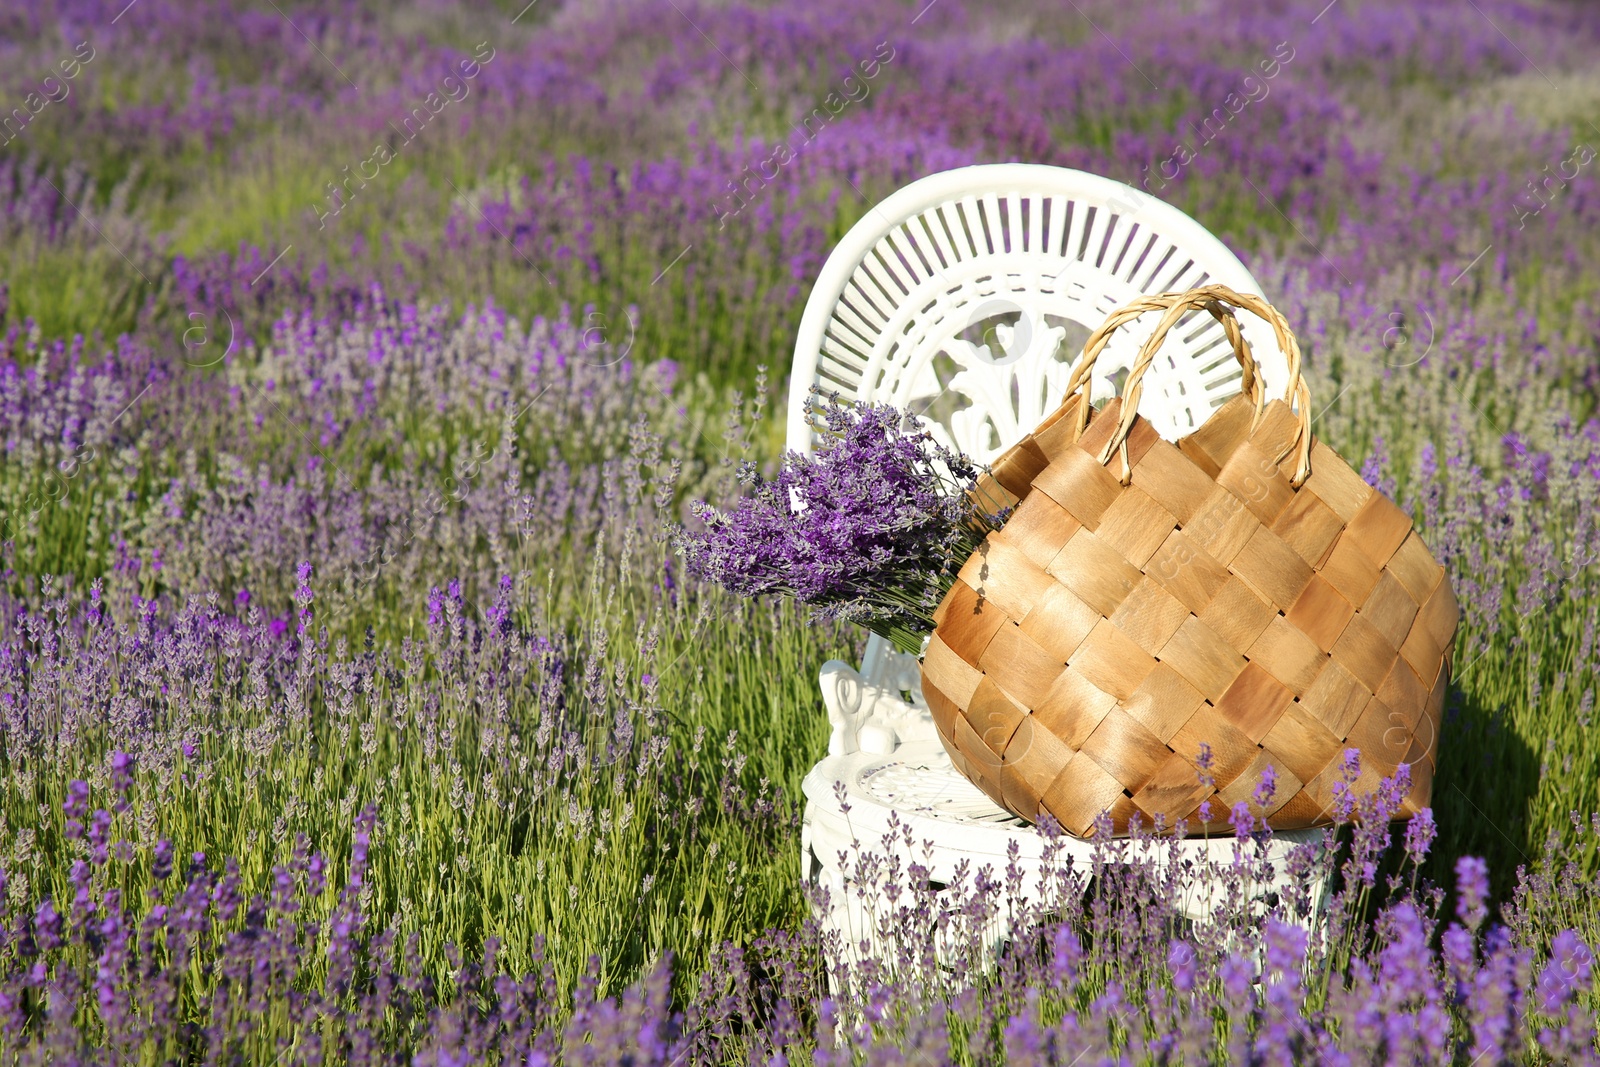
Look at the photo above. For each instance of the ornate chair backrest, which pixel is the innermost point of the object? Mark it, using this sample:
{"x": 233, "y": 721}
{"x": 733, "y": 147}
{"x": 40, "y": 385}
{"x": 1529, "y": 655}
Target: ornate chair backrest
{"x": 966, "y": 297}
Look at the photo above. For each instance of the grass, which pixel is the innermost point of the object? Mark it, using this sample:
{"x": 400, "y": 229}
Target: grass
{"x": 458, "y": 878}
{"x": 1516, "y": 757}
{"x": 458, "y": 874}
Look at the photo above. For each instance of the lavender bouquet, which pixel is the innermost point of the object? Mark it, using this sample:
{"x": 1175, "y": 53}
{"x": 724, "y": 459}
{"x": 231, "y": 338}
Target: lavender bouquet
{"x": 872, "y": 529}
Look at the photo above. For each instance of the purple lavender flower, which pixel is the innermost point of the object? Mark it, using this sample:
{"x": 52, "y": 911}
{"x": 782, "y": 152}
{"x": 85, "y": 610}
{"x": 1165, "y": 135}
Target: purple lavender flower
{"x": 1242, "y": 820}
{"x": 99, "y": 835}
{"x": 1286, "y": 948}
{"x": 871, "y": 529}
{"x": 1237, "y": 975}
{"x": 316, "y": 875}
{"x": 1569, "y": 972}
{"x": 1372, "y": 470}
{"x": 1472, "y": 891}
{"x": 121, "y": 778}
{"x": 1267, "y": 788}
{"x": 47, "y": 926}
{"x": 161, "y": 860}
{"x": 1460, "y": 953}
{"x": 1420, "y": 834}
{"x": 1181, "y": 960}
{"x": 1066, "y": 956}
{"x": 75, "y": 807}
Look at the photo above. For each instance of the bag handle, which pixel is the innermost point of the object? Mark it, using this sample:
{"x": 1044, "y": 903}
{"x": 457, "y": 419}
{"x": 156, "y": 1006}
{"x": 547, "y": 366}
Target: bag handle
{"x": 1213, "y": 299}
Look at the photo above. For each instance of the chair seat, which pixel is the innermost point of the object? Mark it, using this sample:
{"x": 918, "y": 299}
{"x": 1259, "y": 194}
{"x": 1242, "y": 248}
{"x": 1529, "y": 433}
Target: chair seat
{"x": 904, "y": 802}
{"x": 919, "y": 779}
{"x": 919, "y": 785}
{"x": 912, "y": 806}
{"x": 916, "y": 793}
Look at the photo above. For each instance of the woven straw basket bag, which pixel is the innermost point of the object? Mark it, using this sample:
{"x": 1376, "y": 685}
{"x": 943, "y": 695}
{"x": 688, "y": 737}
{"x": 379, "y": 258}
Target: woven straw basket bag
{"x": 1242, "y": 588}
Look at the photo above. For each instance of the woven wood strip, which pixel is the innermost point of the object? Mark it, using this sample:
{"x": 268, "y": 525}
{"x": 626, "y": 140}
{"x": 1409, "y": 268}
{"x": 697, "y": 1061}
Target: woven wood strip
{"x": 1242, "y": 589}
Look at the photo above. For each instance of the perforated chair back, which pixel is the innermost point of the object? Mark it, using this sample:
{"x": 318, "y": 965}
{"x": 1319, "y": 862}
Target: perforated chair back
{"x": 965, "y": 297}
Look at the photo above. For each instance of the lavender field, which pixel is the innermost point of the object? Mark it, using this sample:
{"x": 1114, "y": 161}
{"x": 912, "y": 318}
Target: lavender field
{"x": 354, "y": 707}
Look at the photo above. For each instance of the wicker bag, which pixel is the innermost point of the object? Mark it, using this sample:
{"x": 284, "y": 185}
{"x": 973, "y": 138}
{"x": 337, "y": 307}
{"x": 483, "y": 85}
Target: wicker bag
{"x": 1242, "y": 588}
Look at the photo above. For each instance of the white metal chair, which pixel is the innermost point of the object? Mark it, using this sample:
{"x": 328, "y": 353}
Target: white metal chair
{"x": 965, "y": 297}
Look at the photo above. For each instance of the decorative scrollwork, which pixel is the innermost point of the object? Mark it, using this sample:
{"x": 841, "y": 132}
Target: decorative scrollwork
{"x": 988, "y": 360}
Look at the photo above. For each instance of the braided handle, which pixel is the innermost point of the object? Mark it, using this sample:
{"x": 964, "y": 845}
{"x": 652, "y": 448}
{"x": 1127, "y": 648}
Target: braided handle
{"x": 1213, "y": 299}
